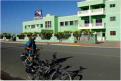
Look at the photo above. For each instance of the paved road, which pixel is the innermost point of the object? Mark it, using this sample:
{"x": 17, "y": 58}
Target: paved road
{"x": 101, "y": 63}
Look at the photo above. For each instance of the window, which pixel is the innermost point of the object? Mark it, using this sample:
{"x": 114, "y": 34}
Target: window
{"x": 86, "y": 23}
{"x": 32, "y": 26}
{"x": 66, "y": 23}
{"x": 37, "y": 25}
{"x": 41, "y": 25}
{"x": 71, "y": 23}
{"x": 47, "y": 24}
{"x": 98, "y": 22}
{"x": 29, "y": 26}
{"x": 112, "y": 5}
{"x": 103, "y": 34}
{"x": 112, "y": 33}
{"x": 25, "y": 27}
{"x": 112, "y": 18}
{"x": 61, "y": 23}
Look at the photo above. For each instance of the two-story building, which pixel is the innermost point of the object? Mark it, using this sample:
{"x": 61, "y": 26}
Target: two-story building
{"x": 101, "y": 16}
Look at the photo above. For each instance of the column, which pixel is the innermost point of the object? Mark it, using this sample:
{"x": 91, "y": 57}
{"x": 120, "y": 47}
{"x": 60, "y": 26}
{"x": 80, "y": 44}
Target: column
{"x": 90, "y": 22}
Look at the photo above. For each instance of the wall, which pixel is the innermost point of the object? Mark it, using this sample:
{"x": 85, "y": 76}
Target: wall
{"x": 69, "y": 27}
{"x": 41, "y": 21}
{"x": 113, "y": 25}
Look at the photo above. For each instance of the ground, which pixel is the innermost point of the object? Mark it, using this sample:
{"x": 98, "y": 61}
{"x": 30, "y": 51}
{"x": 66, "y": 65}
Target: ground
{"x": 101, "y": 63}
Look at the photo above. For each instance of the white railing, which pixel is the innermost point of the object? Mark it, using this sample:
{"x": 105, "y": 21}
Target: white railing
{"x": 92, "y": 26}
{"x": 86, "y": 25}
{"x": 91, "y": 12}
{"x": 97, "y": 11}
{"x": 83, "y": 13}
{"x": 99, "y": 24}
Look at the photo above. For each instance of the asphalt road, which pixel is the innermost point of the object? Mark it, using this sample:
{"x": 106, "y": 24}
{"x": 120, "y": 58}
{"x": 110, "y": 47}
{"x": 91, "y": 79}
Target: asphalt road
{"x": 101, "y": 63}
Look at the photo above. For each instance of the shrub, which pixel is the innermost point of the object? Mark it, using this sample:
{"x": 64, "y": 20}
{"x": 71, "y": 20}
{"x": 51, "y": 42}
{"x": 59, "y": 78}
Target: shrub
{"x": 46, "y": 34}
{"x": 59, "y": 35}
{"x": 67, "y": 34}
{"x": 21, "y": 36}
{"x": 7, "y": 35}
{"x": 77, "y": 34}
{"x": 63, "y": 35}
{"x": 87, "y": 32}
{"x": 1, "y": 36}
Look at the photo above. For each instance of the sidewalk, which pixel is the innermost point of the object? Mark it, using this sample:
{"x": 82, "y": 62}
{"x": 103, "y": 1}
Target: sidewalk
{"x": 115, "y": 44}
{"x": 107, "y": 44}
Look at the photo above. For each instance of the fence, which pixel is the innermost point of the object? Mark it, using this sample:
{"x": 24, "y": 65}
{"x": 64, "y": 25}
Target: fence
{"x": 71, "y": 39}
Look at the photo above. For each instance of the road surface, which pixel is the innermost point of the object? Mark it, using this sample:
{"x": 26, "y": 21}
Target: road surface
{"x": 101, "y": 63}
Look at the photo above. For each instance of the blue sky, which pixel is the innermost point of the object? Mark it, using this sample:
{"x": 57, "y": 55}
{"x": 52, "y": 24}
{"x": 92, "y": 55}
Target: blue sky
{"x": 13, "y": 13}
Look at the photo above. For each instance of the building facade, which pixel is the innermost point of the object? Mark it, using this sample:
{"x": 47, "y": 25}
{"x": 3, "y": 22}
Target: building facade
{"x": 101, "y": 16}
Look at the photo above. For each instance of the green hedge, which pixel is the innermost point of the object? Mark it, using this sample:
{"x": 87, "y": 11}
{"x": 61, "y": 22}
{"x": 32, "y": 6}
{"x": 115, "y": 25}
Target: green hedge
{"x": 21, "y": 36}
{"x": 46, "y": 34}
{"x": 7, "y": 35}
{"x": 63, "y": 35}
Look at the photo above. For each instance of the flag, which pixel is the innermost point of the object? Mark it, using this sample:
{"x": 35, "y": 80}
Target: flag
{"x": 38, "y": 13}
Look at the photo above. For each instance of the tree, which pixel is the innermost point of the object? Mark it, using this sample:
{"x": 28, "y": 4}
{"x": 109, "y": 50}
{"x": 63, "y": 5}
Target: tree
{"x": 77, "y": 34}
{"x": 7, "y": 35}
{"x": 46, "y": 34}
{"x": 87, "y": 31}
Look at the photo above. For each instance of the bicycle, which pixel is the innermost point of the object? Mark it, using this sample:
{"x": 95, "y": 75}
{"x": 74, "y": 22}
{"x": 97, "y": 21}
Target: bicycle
{"x": 50, "y": 70}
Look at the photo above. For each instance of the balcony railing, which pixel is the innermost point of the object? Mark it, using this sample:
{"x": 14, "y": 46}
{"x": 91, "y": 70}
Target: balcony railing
{"x": 86, "y": 25}
{"x": 97, "y": 11}
{"x": 91, "y": 12}
{"x": 92, "y": 26}
{"x": 83, "y": 13}
{"x": 99, "y": 24}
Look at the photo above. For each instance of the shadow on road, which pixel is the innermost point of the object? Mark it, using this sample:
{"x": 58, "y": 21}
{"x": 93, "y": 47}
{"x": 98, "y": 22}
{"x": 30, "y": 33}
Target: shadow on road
{"x": 7, "y": 76}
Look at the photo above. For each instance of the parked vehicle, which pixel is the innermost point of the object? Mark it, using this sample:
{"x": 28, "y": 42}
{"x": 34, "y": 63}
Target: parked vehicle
{"x": 52, "y": 69}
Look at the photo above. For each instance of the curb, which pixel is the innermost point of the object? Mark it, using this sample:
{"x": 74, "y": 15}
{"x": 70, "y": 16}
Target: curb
{"x": 67, "y": 44}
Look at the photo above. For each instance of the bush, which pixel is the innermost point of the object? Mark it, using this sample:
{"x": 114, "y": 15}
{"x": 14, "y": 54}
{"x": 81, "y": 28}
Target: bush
{"x": 46, "y": 34}
{"x": 7, "y": 35}
{"x": 25, "y": 33}
{"x": 67, "y": 34}
{"x": 77, "y": 34}
{"x": 21, "y": 36}
{"x": 59, "y": 35}
{"x": 30, "y": 33}
{"x": 63, "y": 35}
{"x": 87, "y": 32}
{"x": 1, "y": 36}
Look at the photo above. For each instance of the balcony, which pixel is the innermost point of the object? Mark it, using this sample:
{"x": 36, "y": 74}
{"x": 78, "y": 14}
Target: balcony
{"x": 83, "y": 13}
{"x": 99, "y": 24}
{"x": 97, "y": 11}
{"x": 92, "y": 26}
{"x": 90, "y": 2}
{"x": 91, "y": 12}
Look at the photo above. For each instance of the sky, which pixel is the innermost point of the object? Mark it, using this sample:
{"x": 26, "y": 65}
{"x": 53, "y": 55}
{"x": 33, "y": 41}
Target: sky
{"x": 13, "y": 13}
